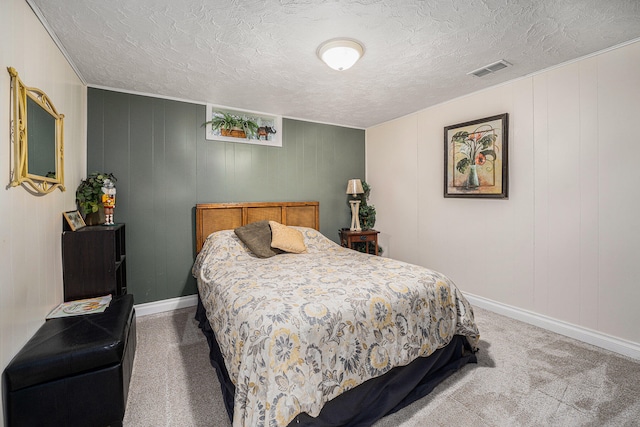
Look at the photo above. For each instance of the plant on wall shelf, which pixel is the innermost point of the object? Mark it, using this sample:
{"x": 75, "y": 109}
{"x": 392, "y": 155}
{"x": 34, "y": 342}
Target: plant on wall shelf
{"x": 223, "y": 122}
{"x": 231, "y": 125}
{"x": 250, "y": 127}
{"x": 89, "y": 193}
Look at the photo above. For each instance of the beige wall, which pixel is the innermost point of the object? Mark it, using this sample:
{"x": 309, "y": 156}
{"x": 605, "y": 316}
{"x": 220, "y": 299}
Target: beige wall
{"x": 566, "y": 244}
{"x": 30, "y": 226}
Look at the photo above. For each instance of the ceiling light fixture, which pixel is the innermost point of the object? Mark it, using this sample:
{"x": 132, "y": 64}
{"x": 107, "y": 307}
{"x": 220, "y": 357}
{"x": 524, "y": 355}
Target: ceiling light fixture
{"x": 340, "y": 54}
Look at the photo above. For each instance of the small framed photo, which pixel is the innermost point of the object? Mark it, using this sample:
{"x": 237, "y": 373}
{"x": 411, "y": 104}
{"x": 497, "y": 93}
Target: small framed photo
{"x": 74, "y": 219}
{"x": 475, "y": 158}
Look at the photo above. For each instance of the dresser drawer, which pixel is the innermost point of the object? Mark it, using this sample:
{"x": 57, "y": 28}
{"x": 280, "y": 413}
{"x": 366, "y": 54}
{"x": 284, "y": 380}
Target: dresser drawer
{"x": 365, "y": 238}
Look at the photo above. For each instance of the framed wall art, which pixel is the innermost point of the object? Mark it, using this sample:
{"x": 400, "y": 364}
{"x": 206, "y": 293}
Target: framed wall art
{"x": 475, "y": 158}
{"x": 249, "y": 127}
{"x": 74, "y": 220}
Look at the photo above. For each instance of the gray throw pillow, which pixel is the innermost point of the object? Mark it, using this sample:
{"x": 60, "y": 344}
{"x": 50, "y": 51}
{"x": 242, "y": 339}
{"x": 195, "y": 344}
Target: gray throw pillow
{"x": 257, "y": 237}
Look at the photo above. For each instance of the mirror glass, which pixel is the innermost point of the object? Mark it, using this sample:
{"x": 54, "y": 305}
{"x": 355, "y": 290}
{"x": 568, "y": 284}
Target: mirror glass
{"x": 37, "y": 139}
{"x": 41, "y": 141}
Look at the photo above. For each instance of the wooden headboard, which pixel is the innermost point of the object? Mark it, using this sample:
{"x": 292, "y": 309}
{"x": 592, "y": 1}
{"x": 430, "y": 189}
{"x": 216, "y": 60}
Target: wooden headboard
{"x": 212, "y": 217}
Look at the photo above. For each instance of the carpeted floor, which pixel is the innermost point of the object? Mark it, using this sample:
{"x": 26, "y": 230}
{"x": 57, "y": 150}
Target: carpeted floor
{"x": 525, "y": 376}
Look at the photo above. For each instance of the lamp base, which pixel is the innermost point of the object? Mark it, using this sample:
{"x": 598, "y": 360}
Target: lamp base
{"x": 355, "y": 217}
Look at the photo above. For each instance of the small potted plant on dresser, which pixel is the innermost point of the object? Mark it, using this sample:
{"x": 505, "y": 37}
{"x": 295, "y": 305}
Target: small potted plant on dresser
{"x": 367, "y": 213}
{"x": 89, "y": 197}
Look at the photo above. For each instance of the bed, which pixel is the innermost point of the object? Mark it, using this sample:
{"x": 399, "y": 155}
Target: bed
{"x": 325, "y": 337}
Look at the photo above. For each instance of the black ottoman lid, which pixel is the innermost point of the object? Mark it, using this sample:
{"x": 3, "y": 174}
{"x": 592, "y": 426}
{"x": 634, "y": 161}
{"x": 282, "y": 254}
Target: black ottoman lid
{"x": 68, "y": 346}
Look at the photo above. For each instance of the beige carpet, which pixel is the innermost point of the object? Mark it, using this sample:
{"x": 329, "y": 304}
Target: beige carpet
{"x": 525, "y": 376}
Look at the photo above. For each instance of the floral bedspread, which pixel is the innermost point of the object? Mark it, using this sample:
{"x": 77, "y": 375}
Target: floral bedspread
{"x": 297, "y": 330}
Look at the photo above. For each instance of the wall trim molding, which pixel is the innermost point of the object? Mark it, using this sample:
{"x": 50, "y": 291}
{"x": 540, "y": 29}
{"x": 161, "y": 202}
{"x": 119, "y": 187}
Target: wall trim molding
{"x": 165, "y": 305}
{"x": 599, "y": 339}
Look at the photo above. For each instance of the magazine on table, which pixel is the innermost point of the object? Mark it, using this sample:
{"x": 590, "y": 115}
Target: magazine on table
{"x": 83, "y": 306}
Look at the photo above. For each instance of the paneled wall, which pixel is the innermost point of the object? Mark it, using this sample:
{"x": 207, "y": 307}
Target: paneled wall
{"x": 566, "y": 244}
{"x": 30, "y": 225}
{"x": 164, "y": 165}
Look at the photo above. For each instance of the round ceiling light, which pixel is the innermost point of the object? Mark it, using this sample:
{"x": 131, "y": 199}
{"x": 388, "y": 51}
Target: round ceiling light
{"x": 340, "y": 54}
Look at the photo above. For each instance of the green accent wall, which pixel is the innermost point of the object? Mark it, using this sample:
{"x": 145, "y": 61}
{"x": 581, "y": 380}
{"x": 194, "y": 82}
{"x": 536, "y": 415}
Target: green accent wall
{"x": 157, "y": 150}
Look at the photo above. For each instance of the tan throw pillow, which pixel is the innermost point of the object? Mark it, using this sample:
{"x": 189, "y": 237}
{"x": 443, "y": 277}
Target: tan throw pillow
{"x": 257, "y": 237}
{"x": 286, "y": 238}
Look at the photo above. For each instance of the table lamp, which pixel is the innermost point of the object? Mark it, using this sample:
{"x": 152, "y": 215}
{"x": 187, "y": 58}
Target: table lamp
{"x": 354, "y": 187}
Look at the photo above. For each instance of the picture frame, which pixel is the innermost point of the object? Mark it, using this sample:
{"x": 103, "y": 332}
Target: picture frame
{"x": 476, "y": 158}
{"x": 74, "y": 220}
{"x": 269, "y": 126}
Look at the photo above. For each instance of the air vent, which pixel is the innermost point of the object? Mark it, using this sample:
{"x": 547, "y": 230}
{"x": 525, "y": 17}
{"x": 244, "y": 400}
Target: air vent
{"x": 491, "y": 68}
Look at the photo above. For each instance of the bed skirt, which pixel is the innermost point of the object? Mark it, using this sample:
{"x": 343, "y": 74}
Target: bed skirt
{"x": 370, "y": 401}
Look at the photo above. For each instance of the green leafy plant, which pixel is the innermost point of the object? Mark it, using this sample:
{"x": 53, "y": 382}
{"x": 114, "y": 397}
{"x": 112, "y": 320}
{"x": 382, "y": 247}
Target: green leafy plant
{"x": 89, "y": 192}
{"x": 226, "y": 122}
{"x": 249, "y": 126}
{"x": 367, "y": 213}
{"x": 223, "y": 120}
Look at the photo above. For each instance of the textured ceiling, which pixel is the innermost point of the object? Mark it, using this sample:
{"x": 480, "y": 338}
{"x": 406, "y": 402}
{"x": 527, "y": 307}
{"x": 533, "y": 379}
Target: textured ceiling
{"x": 261, "y": 54}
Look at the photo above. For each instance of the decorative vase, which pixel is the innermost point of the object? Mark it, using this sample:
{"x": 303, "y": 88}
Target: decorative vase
{"x": 472, "y": 180}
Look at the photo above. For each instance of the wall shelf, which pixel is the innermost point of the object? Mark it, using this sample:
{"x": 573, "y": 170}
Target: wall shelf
{"x": 261, "y": 119}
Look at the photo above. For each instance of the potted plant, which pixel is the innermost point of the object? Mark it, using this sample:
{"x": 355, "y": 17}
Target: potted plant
{"x": 250, "y": 127}
{"x": 230, "y": 125}
{"x": 89, "y": 197}
{"x": 223, "y": 122}
{"x": 367, "y": 213}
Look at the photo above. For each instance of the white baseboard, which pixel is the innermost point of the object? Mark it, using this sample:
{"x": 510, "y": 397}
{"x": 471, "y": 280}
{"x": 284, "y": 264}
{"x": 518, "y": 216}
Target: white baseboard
{"x": 166, "y": 305}
{"x": 608, "y": 342}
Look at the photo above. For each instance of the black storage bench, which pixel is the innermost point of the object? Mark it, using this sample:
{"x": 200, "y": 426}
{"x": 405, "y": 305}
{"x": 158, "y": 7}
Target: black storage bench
{"x": 74, "y": 371}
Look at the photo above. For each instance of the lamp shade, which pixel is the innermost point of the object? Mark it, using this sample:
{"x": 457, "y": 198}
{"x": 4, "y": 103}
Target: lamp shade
{"x": 354, "y": 186}
{"x": 340, "y": 54}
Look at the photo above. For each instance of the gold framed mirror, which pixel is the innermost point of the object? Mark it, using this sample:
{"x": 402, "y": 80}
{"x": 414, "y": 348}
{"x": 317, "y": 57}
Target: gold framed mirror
{"x": 37, "y": 134}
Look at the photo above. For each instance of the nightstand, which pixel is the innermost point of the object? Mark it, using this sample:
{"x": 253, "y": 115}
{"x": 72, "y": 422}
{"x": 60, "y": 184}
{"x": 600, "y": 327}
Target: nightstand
{"x": 94, "y": 262}
{"x": 348, "y": 238}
